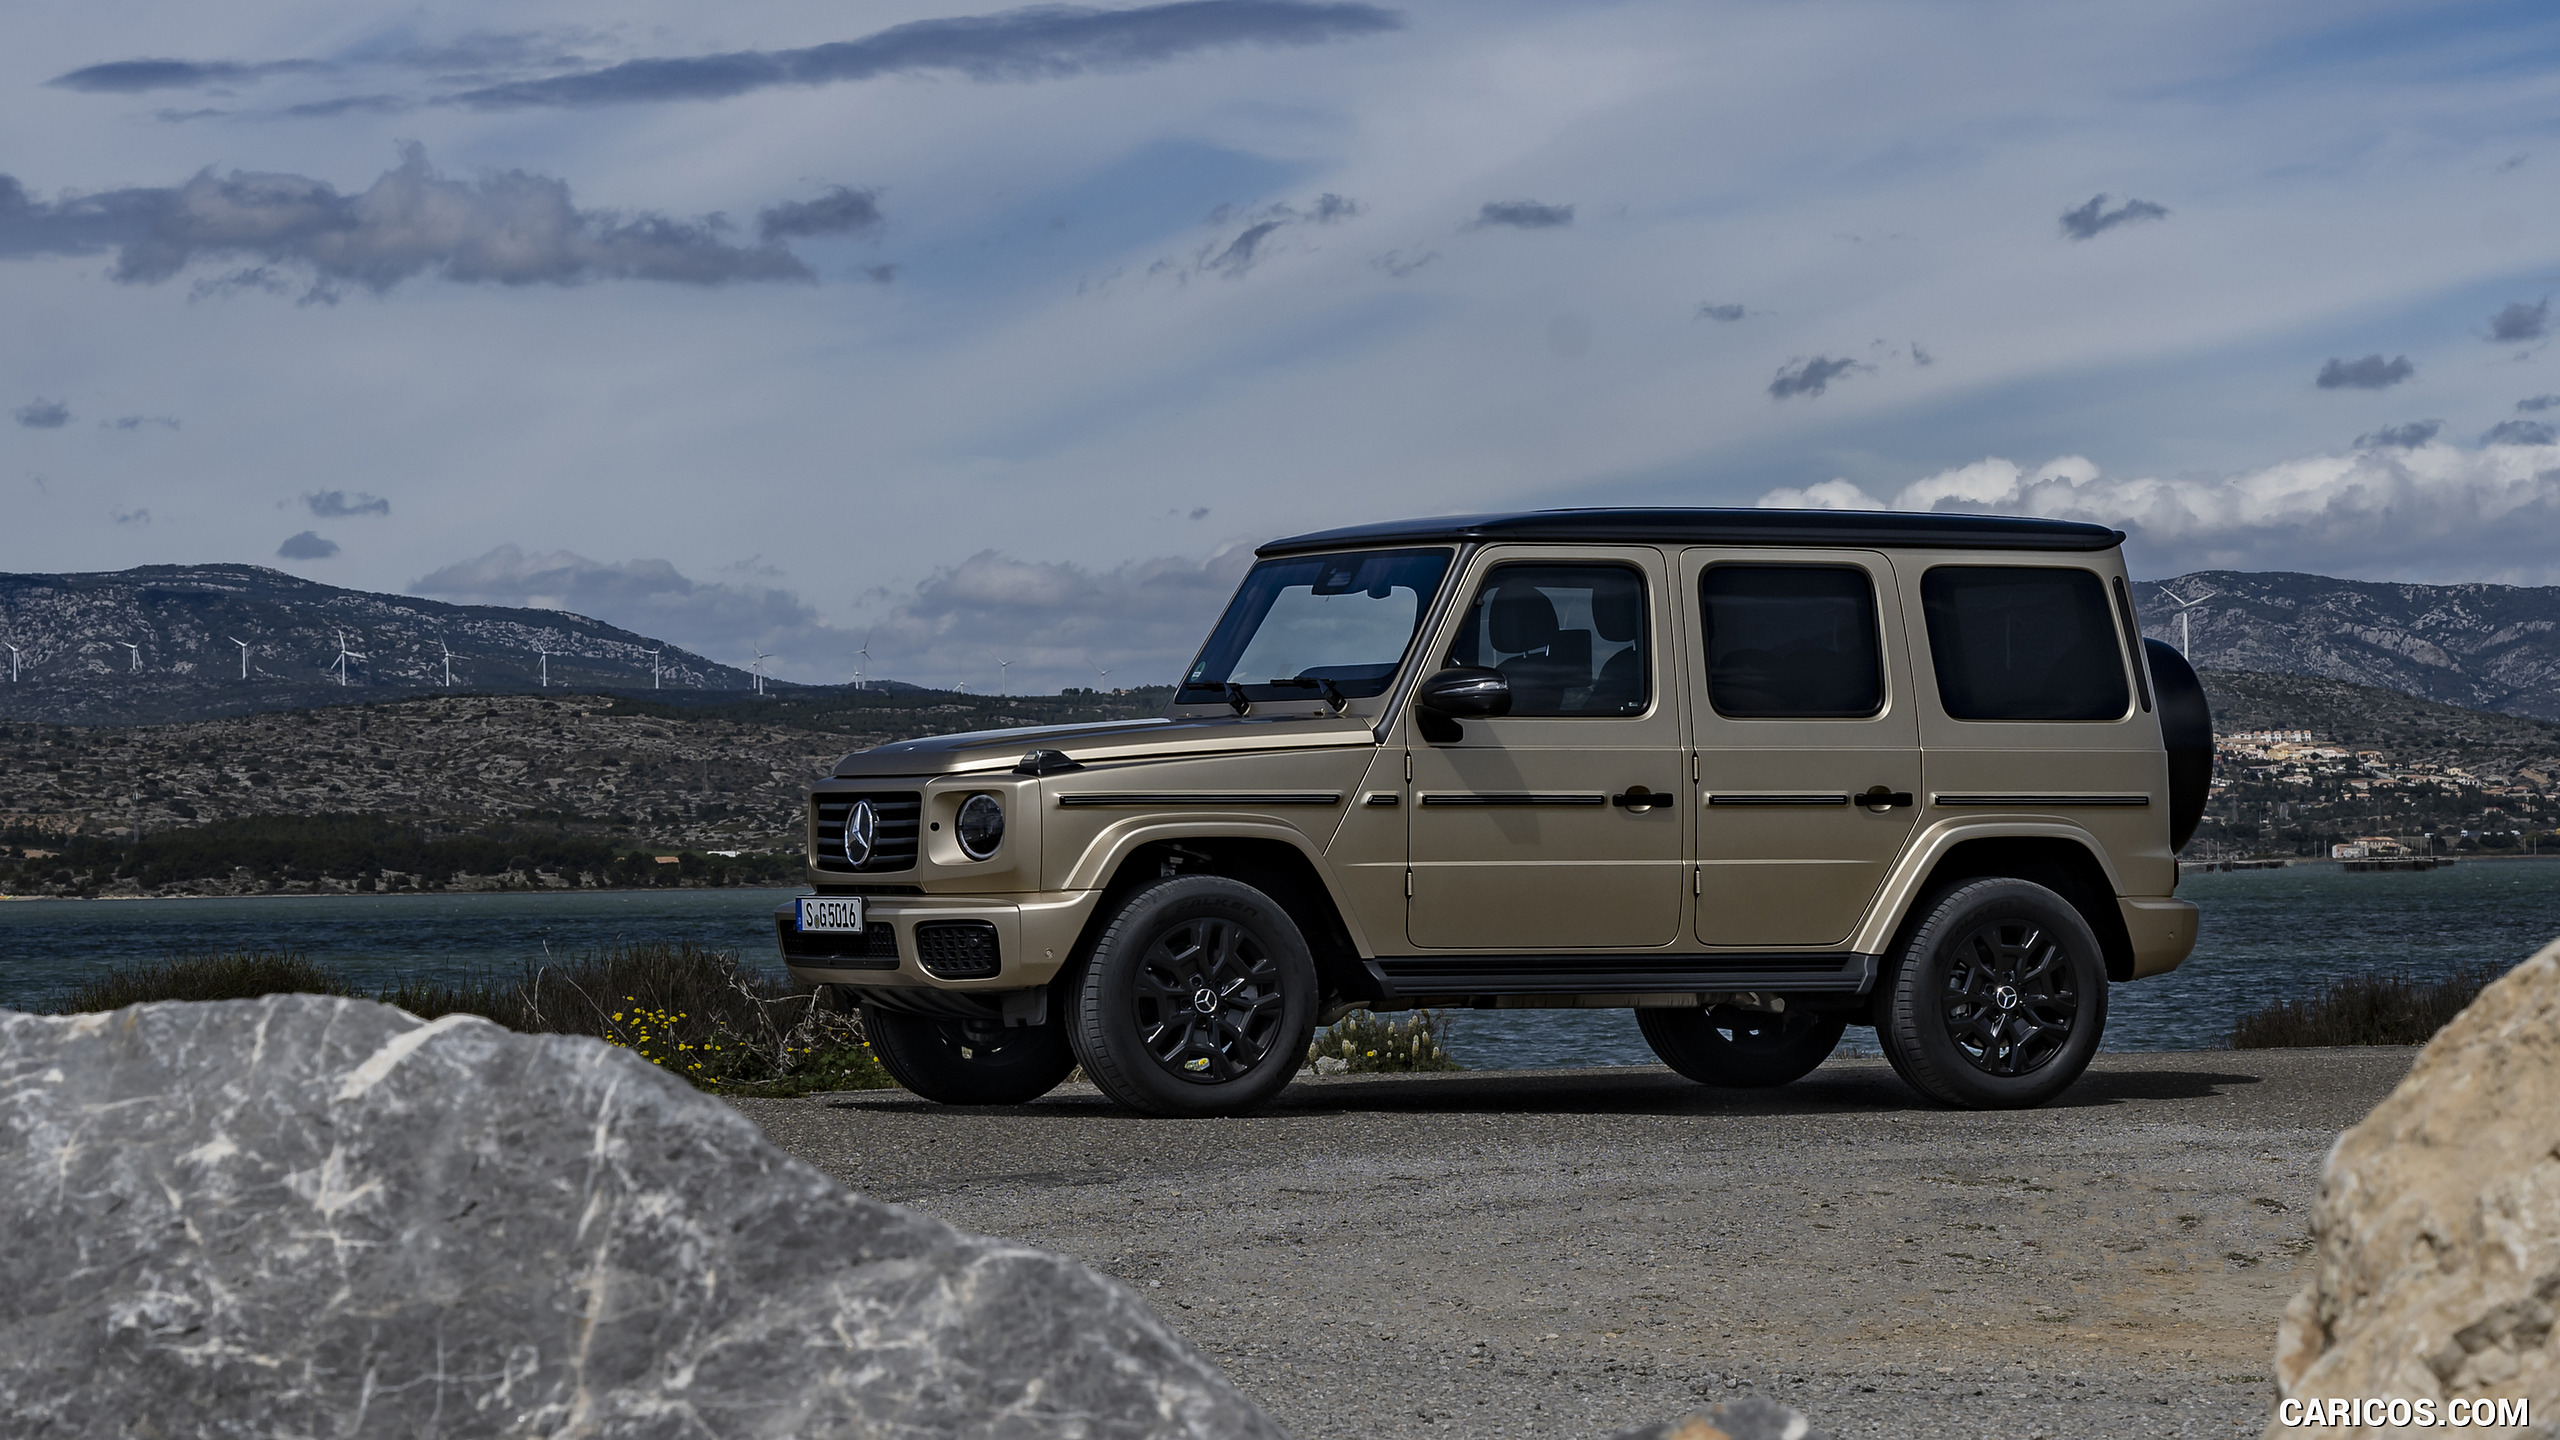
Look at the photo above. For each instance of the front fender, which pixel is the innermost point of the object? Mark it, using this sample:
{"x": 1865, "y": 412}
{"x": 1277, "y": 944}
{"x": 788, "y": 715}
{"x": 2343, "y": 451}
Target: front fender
{"x": 1114, "y": 843}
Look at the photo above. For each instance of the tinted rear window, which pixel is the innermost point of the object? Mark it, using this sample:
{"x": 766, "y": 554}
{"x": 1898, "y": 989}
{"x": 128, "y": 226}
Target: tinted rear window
{"x": 2023, "y": 643}
{"x": 1791, "y": 642}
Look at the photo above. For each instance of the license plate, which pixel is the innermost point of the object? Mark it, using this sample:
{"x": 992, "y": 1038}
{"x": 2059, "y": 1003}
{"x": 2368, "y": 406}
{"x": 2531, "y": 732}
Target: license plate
{"x": 829, "y": 912}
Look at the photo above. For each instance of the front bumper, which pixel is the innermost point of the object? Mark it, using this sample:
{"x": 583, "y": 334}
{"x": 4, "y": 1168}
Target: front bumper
{"x": 2163, "y": 933}
{"x": 1032, "y": 938}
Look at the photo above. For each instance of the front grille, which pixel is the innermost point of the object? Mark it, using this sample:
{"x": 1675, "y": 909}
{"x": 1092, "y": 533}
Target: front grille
{"x": 873, "y": 947}
{"x": 957, "y": 949}
{"x": 901, "y": 813}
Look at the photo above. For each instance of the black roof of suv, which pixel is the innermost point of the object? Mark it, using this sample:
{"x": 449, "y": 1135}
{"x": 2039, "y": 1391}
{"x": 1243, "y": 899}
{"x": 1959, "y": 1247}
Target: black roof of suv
{"x": 1869, "y": 529}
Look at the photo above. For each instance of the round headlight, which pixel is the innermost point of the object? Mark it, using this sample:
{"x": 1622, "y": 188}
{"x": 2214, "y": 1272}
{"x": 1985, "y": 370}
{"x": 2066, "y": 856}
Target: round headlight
{"x": 981, "y": 826}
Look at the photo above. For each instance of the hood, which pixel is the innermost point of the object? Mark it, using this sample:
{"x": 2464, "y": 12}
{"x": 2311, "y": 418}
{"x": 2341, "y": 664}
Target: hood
{"x": 1110, "y": 740}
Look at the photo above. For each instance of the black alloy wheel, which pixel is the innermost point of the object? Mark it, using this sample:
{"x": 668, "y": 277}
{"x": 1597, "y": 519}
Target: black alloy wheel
{"x": 968, "y": 1062}
{"x": 1199, "y": 999}
{"x": 1742, "y": 1049}
{"x": 1998, "y": 998}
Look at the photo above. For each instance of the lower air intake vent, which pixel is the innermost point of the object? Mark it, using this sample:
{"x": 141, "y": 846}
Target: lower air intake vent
{"x": 957, "y": 949}
{"x": 873, "y": 947}
{"x": 895, "y": 815}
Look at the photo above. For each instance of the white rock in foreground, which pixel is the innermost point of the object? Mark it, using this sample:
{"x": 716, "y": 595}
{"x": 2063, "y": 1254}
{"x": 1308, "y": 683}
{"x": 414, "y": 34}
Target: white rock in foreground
{"x": 305, "y": 1216}
{"x": 2439, "y": 1223}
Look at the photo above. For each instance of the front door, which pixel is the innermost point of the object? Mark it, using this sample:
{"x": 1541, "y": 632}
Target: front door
{"x": 1808, "y": 741}
{"x": 1558, "y": 826}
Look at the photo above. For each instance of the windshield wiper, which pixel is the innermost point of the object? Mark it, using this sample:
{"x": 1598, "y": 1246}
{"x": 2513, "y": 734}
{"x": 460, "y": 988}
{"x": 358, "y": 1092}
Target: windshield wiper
{"x": 1332, "y": 693}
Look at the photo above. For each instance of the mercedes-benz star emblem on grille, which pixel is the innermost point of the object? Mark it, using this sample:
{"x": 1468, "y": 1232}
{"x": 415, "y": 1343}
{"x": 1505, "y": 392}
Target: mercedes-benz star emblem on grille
{"x": 861, "y": 832}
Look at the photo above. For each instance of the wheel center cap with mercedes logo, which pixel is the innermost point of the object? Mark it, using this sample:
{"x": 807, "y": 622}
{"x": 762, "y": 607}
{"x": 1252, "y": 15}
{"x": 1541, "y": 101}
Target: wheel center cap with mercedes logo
{"x": 861, "y": 833}
{"x": 1205, "y": 1000}
{"x": 2006, "y": 997}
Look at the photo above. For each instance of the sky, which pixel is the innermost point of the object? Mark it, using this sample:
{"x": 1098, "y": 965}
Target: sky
{"x": 991, "y": 341}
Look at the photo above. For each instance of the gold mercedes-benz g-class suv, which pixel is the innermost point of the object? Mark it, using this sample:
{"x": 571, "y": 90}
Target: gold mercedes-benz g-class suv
{"x": 1759, "y": 775}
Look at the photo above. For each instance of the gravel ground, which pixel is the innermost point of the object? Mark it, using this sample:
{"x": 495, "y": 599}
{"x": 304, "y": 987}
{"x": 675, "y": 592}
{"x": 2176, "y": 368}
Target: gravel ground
{"x": 1563, "y": 1253}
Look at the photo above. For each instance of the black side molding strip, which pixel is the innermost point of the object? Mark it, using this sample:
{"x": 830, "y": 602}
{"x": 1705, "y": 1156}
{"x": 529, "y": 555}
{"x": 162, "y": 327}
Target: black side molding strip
{"x": 1747, "y": 799}
{"x": 1500, "y": 797}
{"x": 1846, "y": 972}
{"x": 2040, "y": 800}
{"x": 1205, "y": 797}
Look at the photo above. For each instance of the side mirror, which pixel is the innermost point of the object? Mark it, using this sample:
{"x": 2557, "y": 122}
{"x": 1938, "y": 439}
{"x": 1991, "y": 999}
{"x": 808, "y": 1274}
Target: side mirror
{"x": 1466, "y": 692}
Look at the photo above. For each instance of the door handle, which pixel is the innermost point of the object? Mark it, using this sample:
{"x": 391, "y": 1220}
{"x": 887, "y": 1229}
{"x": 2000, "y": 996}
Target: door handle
{"x": 1877, "y": 797}
{"x": 1638, "y": 799}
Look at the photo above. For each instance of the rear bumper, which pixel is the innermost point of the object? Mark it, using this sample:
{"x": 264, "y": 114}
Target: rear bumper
{"x": 2163, "y": 933}
{"x": 1032, "y": 938}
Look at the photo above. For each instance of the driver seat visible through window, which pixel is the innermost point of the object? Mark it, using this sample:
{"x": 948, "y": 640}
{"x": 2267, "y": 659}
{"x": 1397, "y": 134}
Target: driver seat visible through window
{"x": 1569, "y": 638}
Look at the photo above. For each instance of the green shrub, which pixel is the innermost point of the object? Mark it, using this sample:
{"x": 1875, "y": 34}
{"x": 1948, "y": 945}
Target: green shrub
{"x": 212, "y": 975}
{"x": 684, "y": 1007}
{"x": 2363, "y": 1010}
{"x": 1367, "y": 1045}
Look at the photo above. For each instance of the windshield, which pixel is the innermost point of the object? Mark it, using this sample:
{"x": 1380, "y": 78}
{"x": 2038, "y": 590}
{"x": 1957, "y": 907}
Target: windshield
{"x": 1299, "y": 622}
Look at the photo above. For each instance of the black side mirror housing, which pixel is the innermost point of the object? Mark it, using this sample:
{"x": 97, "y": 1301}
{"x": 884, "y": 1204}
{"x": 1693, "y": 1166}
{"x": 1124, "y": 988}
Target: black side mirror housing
{"x": 1466, "y": 692}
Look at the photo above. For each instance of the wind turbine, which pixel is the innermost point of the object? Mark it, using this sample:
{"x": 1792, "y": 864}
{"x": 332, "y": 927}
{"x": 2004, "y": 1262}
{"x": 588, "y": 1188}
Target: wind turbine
{"x": 1002, "y": 687}
{"x": 1098, "y": 670}
{"x": 2184, "y": 606}
{"x": 653, "y": 667}
{"x": 344, "y": 655}
{"x": 865, "y": 653}
{"x": 244, "y": 654}
{"x": 757, "y": 667}
{"x": 137, "y": 655}
{"x": 13, "y": 663}
{"x": 546, "y": 665}
{"x": 448, "y": 663}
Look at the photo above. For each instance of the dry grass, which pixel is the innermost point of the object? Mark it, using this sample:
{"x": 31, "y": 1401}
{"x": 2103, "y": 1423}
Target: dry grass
{"x": 2363, "y": 1010}
{"x": 1368, "y": 1045}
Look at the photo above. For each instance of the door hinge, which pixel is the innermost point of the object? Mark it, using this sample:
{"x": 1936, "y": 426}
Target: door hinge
{"x": 1698, "y": 880}
{"x": 1408, "y": 765}
{"x": 1408, "y": 884}
{"x": 1693, "y": 768}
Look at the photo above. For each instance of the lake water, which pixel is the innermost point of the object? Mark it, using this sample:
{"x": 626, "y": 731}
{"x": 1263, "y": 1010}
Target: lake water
{"x": 2267, "y": 935}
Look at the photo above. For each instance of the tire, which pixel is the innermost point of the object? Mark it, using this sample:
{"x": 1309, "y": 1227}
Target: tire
{"x": 968, "y": 1062}
{"x": 1742, "y": 1049}
{"x": 1199, "y": 999}
{"x": 1997, "y": 1000}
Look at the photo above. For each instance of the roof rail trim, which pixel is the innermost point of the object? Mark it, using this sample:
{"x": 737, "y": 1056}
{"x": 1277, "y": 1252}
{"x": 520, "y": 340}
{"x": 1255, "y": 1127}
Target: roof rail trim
{"x": 1859, "y": 529}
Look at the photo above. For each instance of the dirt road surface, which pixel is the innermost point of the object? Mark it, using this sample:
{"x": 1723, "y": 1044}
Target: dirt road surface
{"x": 1559, "y": 1254}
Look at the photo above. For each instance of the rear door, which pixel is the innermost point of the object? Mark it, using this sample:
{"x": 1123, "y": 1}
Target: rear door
{"x": 1542, "y": 830}
{"x": 1807, "y": 740}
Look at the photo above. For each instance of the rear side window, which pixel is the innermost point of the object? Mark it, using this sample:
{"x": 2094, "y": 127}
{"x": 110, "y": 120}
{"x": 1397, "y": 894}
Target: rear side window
{"x": 2015, "y": 642}
{"x": 1791, "y": 642}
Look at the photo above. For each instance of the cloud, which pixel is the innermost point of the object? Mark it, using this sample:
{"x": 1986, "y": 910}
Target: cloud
{"x": 2520, "y": 321}
{"x": 133, "y": 77}
{"x": 43, "y": 414}
{"x": 507, "y": 228}
{"x": 136, "y": 422}
{"x": 1044, "y": 42}
{"x": 306, "y": 546}
{"x": 1520, "y": 215}
{"x": 2400, "y": 437}
{"x": 841, "y": 211}
{"x": 1811, "y": 377}
{"x": 337, "y": 504}
{"x": 1056, "y": 622}
{"x": 135, "y": 517}
{"x": 2519, "y": 432}
{"x": 1238, "y": 257}
{"x": 2370, "y": 373}
{"x": 1713, "y": 311}
{"x": 2538, "y": 402}
{"x": 1330, "y": 207}
{"x": 2438, "y": 512}
{"x": 1400, "y": 265}
{"x": 2095, "y": 219}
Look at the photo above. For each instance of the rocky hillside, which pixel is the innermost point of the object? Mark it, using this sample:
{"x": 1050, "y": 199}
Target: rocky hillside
{"x": 2362, "y": 717}
{"x": 2483, "y": 647}
{"x": 656, "y": 773}
{"x": 158, "y": 643}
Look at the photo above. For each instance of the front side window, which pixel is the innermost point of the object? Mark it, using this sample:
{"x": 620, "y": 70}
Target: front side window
{"x": 2016, "y": 642}
{"x": 1791, "y": 642}
{"x": 1302, "y": 622}
{"x": 1569, "y": 638}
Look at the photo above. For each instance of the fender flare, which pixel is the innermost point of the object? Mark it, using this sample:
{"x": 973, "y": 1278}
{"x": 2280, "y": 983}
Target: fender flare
{"x": 1113, "y": 845}
{"x": 1902, "y": 886}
